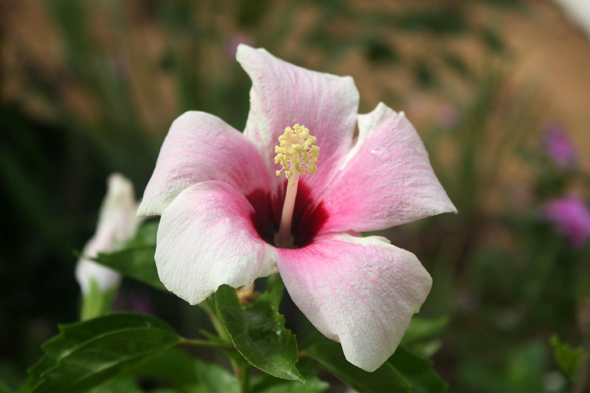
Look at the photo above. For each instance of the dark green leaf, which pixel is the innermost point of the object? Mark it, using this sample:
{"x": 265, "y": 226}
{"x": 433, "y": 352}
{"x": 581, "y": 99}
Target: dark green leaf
{"x": 174, "y": 365}
{"x": 4, "y": 388}
{"x": 418, "y": 371}
{"x": 89, "y": 353}
{"x": 258, "y": 332}
{"x": 569, "y": 359}
{"x": 385, "y": 379}
{"x": 118, "y": 385}
{"x": 216, "y": 379}
{"x": 136, "y": 259}
{"x": 269, "y": 384}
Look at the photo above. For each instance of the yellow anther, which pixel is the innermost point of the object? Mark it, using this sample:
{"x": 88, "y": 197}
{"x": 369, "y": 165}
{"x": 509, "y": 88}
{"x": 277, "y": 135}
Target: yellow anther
{"x": 296, "y": 152}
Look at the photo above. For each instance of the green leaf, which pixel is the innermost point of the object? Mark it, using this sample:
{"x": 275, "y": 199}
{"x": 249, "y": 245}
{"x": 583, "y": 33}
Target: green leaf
{"x": 216, "y": 379}
{"x": 569, "y": 359}
{"x": 89, "y": 353}
{"x": 421, "y": 335}
{"x": 259, "y": 334}
{"x": 405, "y": 371}
{"x": 422, "y": 329}
{"x": 385, "y": 379}
{"x": 4, "y": 388}
{"x": 269, "y": 384}
{"x": 136, "y": 259}
{"x": 97, "y": 303}
{"x": 418, "y": 371}
{"x": 175, "y": 366}
{"x": 274, "y": 283}
{"x": 118, "y": 385}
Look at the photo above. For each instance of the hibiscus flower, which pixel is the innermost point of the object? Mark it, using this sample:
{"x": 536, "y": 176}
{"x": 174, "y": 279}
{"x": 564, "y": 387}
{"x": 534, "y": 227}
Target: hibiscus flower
{"x": 227, "y": 218}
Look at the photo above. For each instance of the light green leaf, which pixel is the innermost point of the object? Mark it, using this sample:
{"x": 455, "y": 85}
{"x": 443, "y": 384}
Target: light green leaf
{"x": 89, "y": 353}
{"x": 274, "y": 282}
{"x": 259, "y": 334}
{"x": 569, "y": 359}
{"x": 269, "y": 384}
{"x": 136, "y": 259}
{"x": 97, "y": 303}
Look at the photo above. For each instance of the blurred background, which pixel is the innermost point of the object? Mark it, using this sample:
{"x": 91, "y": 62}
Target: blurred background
{"x": 499, "y": 90}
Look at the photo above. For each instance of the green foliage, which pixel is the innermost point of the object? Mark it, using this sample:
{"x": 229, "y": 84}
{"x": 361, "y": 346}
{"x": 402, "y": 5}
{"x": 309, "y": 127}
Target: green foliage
{"x": 258, "y": 332}
{"x": 418, "y": 371}
{"x": 136, "y": 259}
{"x": 4, "y": 388}
{"x": 123, "y": 384}
{"x": 569, "y": 359}
{"x": 96, "y": 302}
{"x": 268, "y": 384}
{"x": 174, "y": 366}
{"x": 405, "y": 371}
{"x": 422, "y": 329}
{"x": 385, "y": 379}
{"x": 86, "y": 354}
{"x": 215, "y": 379}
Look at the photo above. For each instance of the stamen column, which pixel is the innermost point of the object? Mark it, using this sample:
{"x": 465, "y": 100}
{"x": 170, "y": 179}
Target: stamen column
{"x": 298, "y": 155}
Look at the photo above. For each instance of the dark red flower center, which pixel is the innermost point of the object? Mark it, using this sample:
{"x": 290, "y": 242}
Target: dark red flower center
{"x": 308, "y": 218}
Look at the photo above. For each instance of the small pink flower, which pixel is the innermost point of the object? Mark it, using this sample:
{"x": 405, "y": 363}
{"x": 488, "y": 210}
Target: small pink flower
{"x": 117, "y": 223}
{"x": 571, "y": 216}
{"x": 559, "y": 147}
{"x": 228, "y": 219}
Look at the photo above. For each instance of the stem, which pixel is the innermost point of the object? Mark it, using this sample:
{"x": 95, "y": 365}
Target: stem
{"x": 283, "y": 238}
{"x": 206, "y": 344}
{"x": 210, "y": 309}
{"x": 245, "y": 379}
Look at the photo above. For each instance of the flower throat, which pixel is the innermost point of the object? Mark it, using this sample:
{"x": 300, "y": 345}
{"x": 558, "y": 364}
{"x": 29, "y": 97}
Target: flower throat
{"x": 297, "y": 155}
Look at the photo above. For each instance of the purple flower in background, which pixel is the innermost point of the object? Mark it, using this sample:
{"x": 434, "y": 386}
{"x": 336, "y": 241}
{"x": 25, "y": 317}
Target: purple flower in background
{"x": 571, "y": 216}
{"x": 559, "y": 147}
{"x": 133, "y": 302}
{"x": 448, "y": 116}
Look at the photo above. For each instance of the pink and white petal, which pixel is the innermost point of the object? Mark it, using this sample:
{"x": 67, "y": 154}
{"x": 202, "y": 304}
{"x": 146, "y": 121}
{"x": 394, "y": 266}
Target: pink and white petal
{"x": 386, "y": 180}
{"x": 104, "y": 240}
{"x": 206, "y": 238}
{"x": 283, "y": 95}
{"x": 201, "y": 147}
{"x": 359, "y": 291}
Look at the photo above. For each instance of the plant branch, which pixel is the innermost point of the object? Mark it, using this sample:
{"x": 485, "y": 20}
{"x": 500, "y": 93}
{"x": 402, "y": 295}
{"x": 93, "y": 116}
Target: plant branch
{"x": 245, "y": 379}
{"x": 206, "y": 344}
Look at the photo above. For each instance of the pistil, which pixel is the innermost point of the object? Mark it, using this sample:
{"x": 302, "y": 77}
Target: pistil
{"x": 298, "y": 155}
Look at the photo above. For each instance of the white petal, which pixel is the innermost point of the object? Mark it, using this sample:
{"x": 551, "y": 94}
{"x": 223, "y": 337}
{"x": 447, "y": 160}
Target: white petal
{"x": 117, "y": 223}
{"x": 206, "y": 238}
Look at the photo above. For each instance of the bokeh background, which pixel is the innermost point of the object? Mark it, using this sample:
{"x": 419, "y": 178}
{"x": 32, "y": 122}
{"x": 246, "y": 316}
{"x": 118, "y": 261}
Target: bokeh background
{"x": 499, "y": 90}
